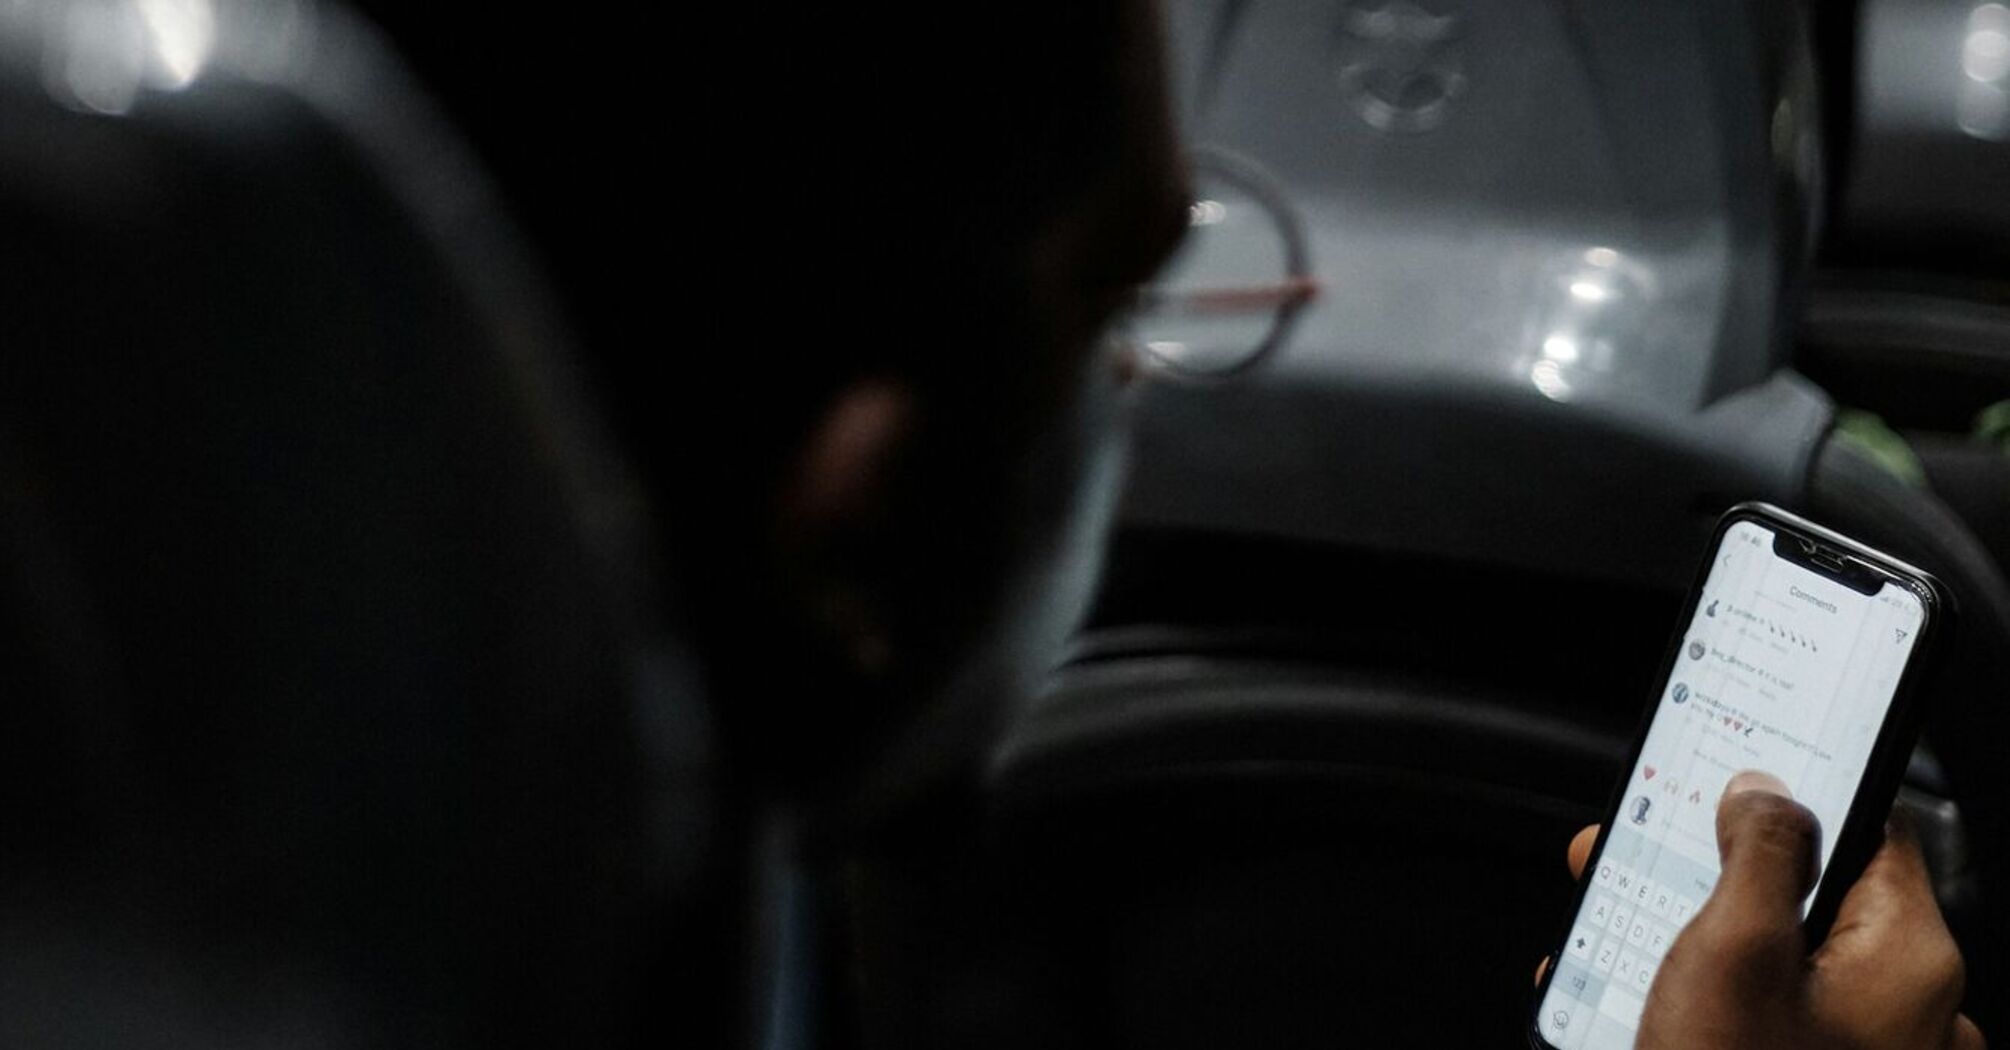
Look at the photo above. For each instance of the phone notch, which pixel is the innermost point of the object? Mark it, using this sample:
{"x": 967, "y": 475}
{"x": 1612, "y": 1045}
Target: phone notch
{"x": 1829, "y": 561}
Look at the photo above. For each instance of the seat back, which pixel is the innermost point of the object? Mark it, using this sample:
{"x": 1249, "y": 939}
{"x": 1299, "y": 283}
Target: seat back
{"x": 318, "y": 558}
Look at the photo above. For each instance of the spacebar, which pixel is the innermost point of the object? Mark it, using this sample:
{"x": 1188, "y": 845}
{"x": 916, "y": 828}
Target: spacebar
{"x": 1622, "y": 1006}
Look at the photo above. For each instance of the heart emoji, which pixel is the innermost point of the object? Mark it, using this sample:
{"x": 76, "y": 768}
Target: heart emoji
{"x": 1650, "y": 772}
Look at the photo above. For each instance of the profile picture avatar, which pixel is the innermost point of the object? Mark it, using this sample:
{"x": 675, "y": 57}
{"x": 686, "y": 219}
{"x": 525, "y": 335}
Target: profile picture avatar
{"x": 1696, "y": 650}
{"x": 1680, "y": 694}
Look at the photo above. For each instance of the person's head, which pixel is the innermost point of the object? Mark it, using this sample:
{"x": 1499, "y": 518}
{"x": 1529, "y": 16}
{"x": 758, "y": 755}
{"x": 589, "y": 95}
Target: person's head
{"x": 913, "y": 232}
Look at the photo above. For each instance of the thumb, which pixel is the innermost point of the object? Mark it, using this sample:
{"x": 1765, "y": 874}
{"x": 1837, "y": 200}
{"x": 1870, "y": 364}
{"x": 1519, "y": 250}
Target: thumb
{"x": 1769, "y": 844}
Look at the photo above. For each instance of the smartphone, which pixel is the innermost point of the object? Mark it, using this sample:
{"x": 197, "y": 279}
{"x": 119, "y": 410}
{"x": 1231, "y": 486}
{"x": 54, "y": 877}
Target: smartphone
{"x": 1799, "y": 655}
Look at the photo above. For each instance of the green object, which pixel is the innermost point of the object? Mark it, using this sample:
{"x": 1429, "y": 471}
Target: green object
{"x": 1992, "y": 426}
{"x": 1869, "y": 434}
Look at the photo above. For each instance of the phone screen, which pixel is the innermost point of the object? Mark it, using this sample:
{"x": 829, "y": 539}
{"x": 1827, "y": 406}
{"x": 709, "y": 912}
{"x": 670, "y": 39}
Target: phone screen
{"x": 1781, "y": 669}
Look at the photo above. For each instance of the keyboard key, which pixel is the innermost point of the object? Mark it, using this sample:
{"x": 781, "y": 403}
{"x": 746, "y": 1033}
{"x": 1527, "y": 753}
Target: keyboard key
{"x": 1663, "y": 900}
{"x": 1636, "y": 934}
{"x": 1643, "y": 891}
{"x": 1608, "y": 954}
{"x": 1622, "y": 920}
{"x": 1629, "y": 964}
{"x": 1557, "y": 1023}
{"x": 1623, "y": 880}
{"x": 1582, "y": 940}
{"x": 1681, "y": 910}
{"x": 1622, "y": 1006}
{"x": 1643, "y": 975}
{"x": 1606, "y": 869}
{"x": 1601, "y": 911}
{"x": 1657, "y": 941}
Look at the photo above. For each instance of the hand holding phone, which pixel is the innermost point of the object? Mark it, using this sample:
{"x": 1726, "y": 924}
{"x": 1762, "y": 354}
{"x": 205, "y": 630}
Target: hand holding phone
{"x": 1797, "y": 657}
{"x": 1741, "y": 974}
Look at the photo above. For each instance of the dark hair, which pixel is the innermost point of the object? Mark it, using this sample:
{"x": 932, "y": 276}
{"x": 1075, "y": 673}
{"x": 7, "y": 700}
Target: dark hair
{"x": 863, "y": 189}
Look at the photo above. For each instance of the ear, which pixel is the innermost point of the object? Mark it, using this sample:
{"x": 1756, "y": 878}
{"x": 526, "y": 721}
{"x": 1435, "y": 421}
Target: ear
{"x": 835, "y": 500}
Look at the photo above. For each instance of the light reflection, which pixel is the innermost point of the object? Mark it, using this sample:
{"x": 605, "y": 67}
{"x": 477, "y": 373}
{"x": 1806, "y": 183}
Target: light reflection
{"x": 1206, "y": 213}
{"x": 98, "y": 64}
{"x": 1592, "y": 299}
{"x": 183, "y": 32}
{"x": 1986, "y": 55}
{"x": 104, "y": 52}
{"x": 1983, "y": 111}
{"x": 1548, "y": 378}
{"x": 1982, "y": 108}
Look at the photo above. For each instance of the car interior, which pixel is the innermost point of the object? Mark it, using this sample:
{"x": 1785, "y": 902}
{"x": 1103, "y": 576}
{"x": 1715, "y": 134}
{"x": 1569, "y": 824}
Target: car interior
{"x": 1486, "y": 313}
{"x": 1385, "y": 605}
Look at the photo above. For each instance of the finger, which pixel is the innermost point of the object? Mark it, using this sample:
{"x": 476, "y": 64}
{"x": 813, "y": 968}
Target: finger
{"x": 1541, "y": 967}
{"x": 1752, "y": 920}
{"x": 1890, "y": 963}
{"x": 1895, "y": 890}
{"x": 1966, "y": 1036}
{"x": 1769, "y": 844}
{"x": 1580, "y": 849}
